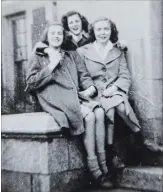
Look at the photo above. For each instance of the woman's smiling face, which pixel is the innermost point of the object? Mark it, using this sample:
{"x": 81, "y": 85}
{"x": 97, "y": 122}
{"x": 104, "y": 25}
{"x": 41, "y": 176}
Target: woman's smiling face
{"x": 102, "y": 31}
{"x": 55, "y": 36}
{"x": 74, "y": 24}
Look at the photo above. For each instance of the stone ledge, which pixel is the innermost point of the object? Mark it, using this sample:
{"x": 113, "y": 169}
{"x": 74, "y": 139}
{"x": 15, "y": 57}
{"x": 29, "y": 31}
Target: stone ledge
{"x": 44, "y": 156}
{"x": 29, "y": 123}
{"x": 66, "y": 181}
{"x": 146, "y": 178}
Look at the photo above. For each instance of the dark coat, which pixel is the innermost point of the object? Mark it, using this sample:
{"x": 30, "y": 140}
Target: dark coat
{"x": 70, "y": 45}
{"x": 57, "y": 91}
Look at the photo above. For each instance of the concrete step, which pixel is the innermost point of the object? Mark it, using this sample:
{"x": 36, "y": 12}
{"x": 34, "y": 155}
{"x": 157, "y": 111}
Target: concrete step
{"x": 137, "y": 179}
{"x": 110, "y": 190}
{"x": 143, "y": 178}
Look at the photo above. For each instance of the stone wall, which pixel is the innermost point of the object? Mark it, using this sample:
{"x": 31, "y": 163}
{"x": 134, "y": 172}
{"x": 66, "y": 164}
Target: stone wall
{"x": 146, "y": 61}
{"x": 36, "y": 159}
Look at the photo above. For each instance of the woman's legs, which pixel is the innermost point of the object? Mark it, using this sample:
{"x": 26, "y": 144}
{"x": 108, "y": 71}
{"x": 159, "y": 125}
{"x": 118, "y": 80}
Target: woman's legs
{"x": 100, "y": 139}
{"x": 89, "y": 135}
{"x": 137, "y": 132}
{"x": 110, "y": 126}
{"x": 89, "y": 143}
{"x": 121, "y": 111}
{"x": 114, "y": 152}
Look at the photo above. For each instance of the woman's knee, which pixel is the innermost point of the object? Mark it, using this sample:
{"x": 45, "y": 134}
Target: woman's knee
{"x": 121, "y": 108}
{"x": 90, "y": 117}
{"x": 99, "y": 113}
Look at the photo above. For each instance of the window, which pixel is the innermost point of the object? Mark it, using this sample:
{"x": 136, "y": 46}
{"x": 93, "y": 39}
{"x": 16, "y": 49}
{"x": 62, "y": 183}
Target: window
{"x": 19, "y": 33}
{"x": 19, "y": 38}
{"x": 15, "y": 58}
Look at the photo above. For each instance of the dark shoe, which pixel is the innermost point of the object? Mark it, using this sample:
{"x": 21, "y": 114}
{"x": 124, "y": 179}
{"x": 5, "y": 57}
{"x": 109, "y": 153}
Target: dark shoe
{"x": 104, "y": 182}
{"x": 118, "y": 163}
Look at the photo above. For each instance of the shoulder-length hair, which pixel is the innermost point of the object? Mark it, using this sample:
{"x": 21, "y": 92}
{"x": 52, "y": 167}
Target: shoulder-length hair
{"x": 44, "y": 36}
{"x": 84, "y": 21}
{"x": 114, "y": 31}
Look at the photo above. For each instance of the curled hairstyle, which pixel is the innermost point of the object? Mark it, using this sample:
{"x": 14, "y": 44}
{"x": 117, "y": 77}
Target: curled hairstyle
{"x": 44, "y": 36}
{"x": 114, "y": 31}
{"x": 84, "y": 21}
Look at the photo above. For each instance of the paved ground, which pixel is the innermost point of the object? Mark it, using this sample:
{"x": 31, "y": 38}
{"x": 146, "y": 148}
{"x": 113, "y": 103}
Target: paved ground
{"x": 111, "y": 190}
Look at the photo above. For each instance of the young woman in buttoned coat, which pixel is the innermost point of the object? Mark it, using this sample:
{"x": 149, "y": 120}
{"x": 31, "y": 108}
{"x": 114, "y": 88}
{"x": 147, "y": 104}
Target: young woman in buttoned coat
{"x": 57, "y": 76}
{"x": 108, "y": 68}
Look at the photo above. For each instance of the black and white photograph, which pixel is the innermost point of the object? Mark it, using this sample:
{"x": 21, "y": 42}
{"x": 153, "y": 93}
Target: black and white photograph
{"x": 81, "y": 96}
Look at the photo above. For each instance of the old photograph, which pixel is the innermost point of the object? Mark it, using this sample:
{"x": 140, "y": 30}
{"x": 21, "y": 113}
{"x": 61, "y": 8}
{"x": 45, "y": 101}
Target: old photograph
{"x": 82, "y": 96}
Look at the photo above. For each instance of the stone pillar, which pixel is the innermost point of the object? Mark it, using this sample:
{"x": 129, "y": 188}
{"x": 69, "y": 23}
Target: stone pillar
{"x": 39, "y": 23}
{"x": 146, "y": 60}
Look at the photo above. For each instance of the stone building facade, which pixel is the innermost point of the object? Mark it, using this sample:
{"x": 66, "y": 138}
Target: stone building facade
{"x": 22, "y": 24}
{"x": 139, "y": 24}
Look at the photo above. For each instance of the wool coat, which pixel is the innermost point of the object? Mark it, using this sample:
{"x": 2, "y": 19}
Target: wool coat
{"x": 112, "y": 70}
{"x": 57, "y": 91}
{"x": 70, "y": 45}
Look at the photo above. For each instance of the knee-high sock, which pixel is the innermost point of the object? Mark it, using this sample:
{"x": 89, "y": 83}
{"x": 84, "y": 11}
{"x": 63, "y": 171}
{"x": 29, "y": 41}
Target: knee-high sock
{"x": 102, "y": 161}
{"x": 93, "y": 167}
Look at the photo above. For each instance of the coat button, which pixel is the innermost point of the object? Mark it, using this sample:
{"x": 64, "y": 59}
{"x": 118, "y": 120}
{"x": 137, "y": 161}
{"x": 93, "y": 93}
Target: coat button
{"x": 104, "y": 80}
{"x": 104, "y": 69}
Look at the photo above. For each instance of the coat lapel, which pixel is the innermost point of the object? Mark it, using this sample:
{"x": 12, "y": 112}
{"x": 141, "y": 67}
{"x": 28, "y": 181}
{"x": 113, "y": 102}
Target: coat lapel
{"x": 91, "y": 53}
{"x": 112, "y": 55}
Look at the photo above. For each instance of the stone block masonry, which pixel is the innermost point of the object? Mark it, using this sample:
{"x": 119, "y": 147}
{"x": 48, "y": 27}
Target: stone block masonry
{"x": 35, "y": 158}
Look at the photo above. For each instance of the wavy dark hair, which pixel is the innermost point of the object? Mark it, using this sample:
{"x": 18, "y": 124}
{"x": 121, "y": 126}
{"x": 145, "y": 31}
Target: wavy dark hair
{"x": 44, "y": 36}
{"x": 114, "y": 31}
{"x": 84, "y": 21}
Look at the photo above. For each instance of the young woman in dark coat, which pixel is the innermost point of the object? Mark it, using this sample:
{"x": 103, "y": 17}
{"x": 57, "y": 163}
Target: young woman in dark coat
{"x": 59, "y": 78}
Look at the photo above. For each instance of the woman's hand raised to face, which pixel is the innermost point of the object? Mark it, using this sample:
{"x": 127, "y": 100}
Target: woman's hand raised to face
{"x": 54, "y": 57}
{"x": 109, "y": 91}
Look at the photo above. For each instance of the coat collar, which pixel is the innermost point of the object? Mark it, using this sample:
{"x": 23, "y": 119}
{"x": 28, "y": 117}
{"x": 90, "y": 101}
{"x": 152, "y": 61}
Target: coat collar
{"x": 45, "y": 59}
{"x": 90, "y": 52}
{"x": 69, "y": 37}
{"x": 41, "y": 53}
{"x": 83, "y": 34}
